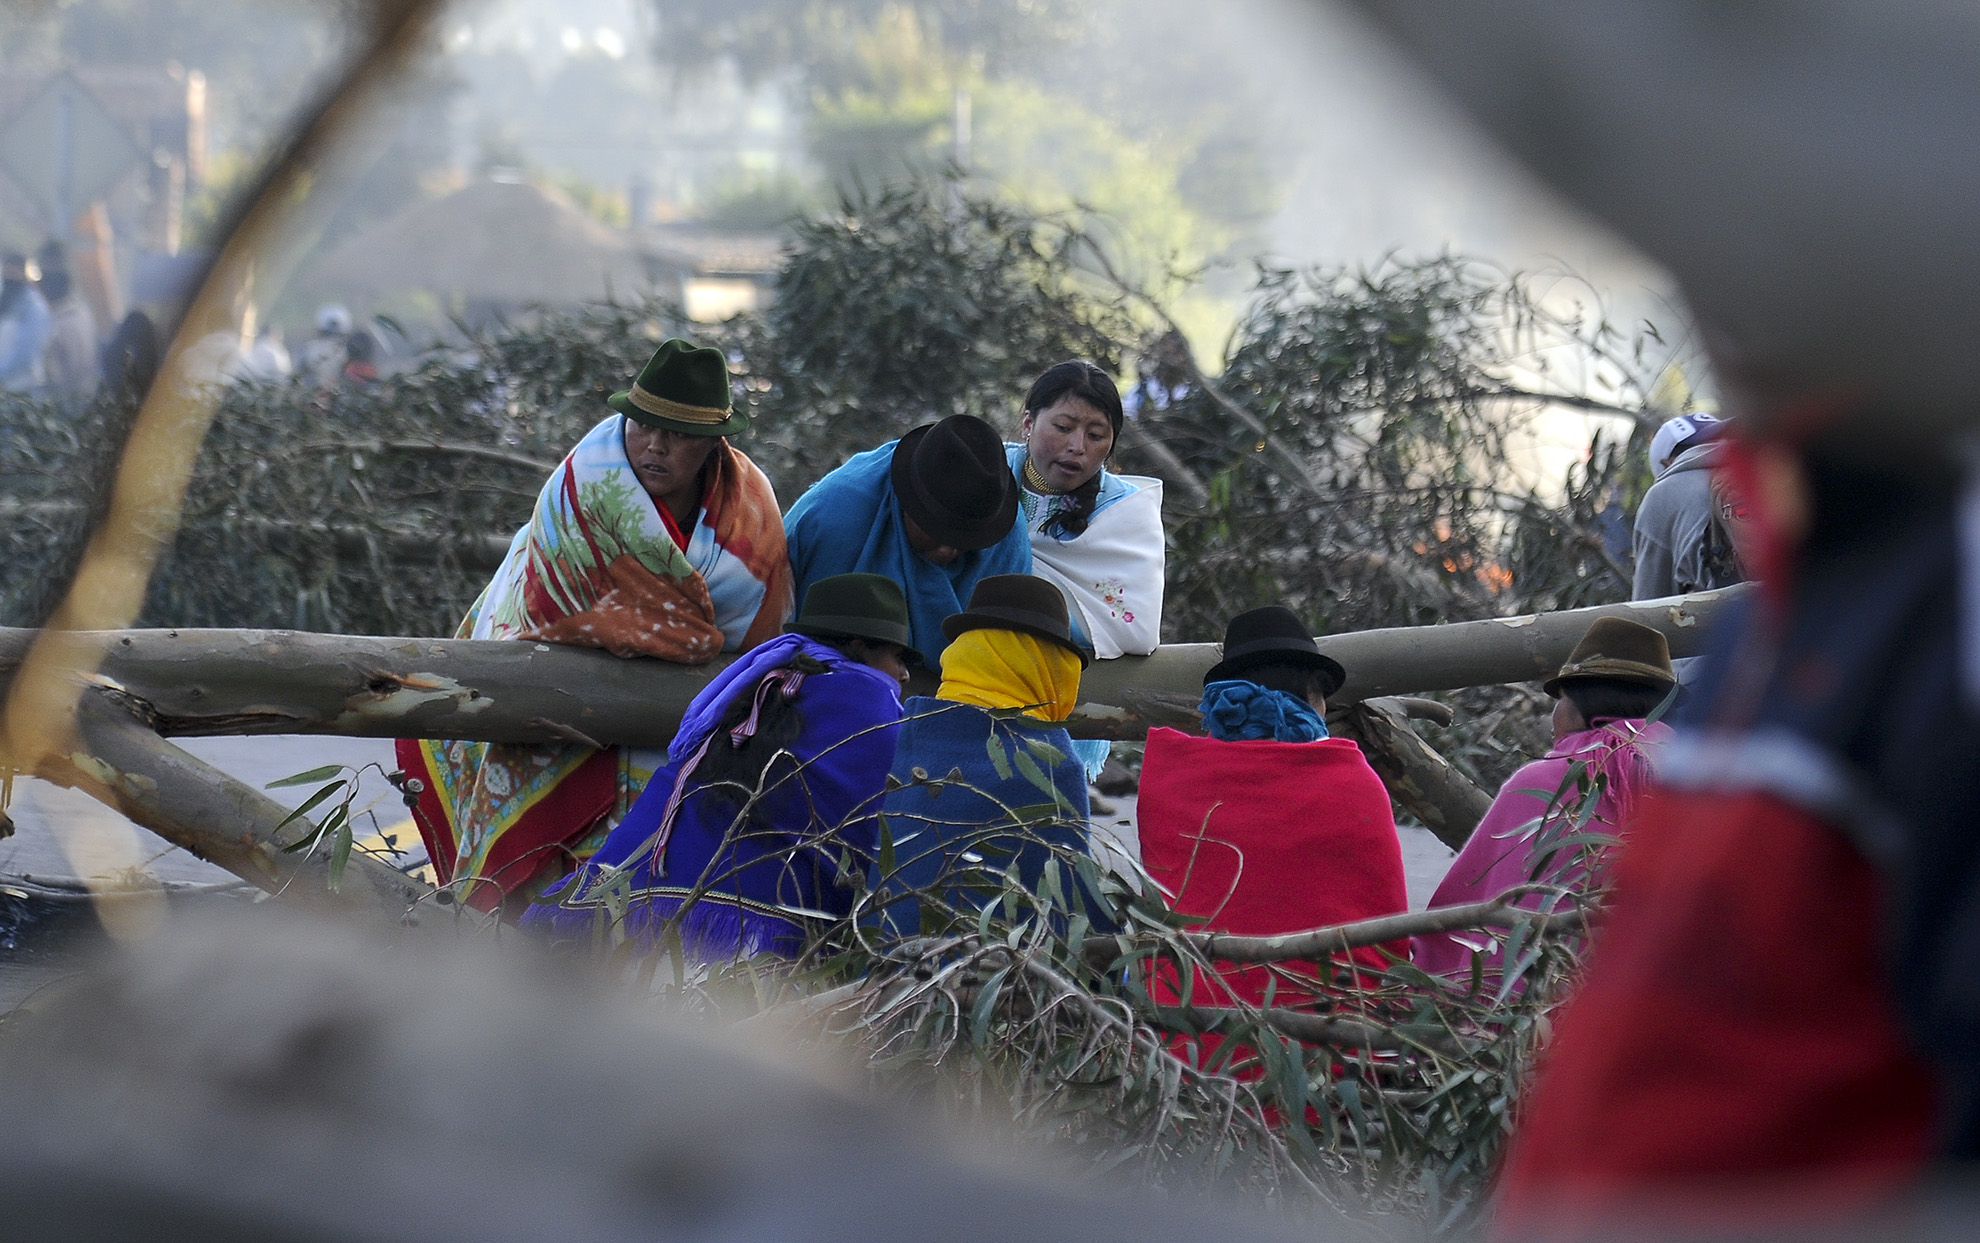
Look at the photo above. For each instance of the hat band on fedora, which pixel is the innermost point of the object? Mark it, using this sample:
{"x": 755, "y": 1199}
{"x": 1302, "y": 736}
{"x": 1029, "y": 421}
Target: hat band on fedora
{"x": 859, "y": 628}
{"x": 667, "y": 408}
{"x": 1616, "y": 669}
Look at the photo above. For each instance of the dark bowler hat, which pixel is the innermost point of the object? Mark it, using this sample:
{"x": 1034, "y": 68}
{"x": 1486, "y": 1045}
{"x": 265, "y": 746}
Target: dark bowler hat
{"x": 953, "y": 479}
{"x": 1021, "y": 602}
{"x": 683, "y": 388}
{"x": 857, "y": 606}
{"x": 1273, "y": 635}
{"x": 1618, "y": 650}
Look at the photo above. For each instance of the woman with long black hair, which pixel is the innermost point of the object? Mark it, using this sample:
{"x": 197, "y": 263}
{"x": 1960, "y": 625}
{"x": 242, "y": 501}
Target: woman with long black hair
{"x": 1095, "y": 534}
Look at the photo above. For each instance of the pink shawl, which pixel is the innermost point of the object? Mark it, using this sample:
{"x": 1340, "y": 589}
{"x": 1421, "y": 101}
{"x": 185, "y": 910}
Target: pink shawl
{"x": 1519, "y": 840}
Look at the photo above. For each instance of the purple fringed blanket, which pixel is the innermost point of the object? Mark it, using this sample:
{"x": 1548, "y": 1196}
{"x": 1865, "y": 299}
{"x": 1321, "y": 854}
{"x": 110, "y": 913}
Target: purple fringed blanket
{"x": 756, "y": 867}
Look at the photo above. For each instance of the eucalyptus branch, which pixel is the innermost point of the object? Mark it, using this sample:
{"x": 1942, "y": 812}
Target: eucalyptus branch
{"x": 1500, "y": 912}
{"x": 1319, "y": 1029}
{"x": 1250, "y": 1118}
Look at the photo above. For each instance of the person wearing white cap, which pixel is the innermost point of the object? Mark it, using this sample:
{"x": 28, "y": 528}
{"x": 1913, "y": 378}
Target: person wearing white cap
{"x": 323, "y": 356}
{"x": 1679, "y": 548}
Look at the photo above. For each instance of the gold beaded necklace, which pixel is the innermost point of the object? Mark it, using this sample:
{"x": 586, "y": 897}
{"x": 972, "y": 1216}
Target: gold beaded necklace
{"x": 1035, "y": 481}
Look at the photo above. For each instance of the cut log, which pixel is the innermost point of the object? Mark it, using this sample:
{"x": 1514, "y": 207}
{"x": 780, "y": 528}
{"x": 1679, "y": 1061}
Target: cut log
{"x": 1421, "y": 781}
{"x": 204, "y": 682}
{"x": 122, "y": 762}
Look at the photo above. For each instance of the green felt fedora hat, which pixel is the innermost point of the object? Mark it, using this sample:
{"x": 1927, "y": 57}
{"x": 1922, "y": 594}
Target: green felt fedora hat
{"x": 1618, "y": 650}
{"x": 857, "y": 606}
{"x": 683, "y": 388}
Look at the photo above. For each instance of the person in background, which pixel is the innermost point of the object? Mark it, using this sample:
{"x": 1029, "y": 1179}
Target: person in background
{"x": 983, "y": 777}
{"x": 654, "y": 537}
{"x": 25, "y": 323}
{"x": 1267, "y": 825}
{"x": 361, "y": 359}
{"x": 322, "y": 358}
{"x": 1681, "y": 542}
{"x": 1616, "y": 677}
{"x": 936, "y": 511}
{"x": 71, "y": 360}
{"x": 131, "y": 357}
{"x": 767, "y": 801}
{"x": 1095, "y": 534}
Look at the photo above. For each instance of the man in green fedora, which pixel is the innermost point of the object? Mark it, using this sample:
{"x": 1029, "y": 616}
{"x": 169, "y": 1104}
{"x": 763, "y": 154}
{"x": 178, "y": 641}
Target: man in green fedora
{"x": 676, "y": 412}
{"x": 654, "y": 537}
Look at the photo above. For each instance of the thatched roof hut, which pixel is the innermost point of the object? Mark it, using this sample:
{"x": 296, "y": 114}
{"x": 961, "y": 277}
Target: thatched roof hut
{"x": 493, "y": 245}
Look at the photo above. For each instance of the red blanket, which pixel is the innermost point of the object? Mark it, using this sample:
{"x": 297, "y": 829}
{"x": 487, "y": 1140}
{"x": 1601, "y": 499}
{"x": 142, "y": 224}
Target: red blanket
{"x": 1267, "y": 837}
{"x": 1734, "y": 1060}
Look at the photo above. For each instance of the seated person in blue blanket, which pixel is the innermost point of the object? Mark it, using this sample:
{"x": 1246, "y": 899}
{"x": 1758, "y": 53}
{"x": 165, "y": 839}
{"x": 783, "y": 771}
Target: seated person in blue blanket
{"x": 762, "y": 821}
{"x": 984, "y": 780}
{"x": 936, "y": 511}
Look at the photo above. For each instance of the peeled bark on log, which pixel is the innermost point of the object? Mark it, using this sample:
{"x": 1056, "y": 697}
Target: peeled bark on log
{"x": 1422, "y": 781}
{"x": 205, "y": 682}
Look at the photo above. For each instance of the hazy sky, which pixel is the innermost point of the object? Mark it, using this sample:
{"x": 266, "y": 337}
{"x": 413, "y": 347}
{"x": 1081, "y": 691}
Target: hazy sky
{"x": 1374, "y": 161}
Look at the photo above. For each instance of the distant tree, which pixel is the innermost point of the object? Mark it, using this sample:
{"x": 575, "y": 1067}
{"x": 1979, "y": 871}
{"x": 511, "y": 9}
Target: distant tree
{"x": 822, "y": 38}
{"x": 1354, "y": 450}
{"x": 909, "y": 305}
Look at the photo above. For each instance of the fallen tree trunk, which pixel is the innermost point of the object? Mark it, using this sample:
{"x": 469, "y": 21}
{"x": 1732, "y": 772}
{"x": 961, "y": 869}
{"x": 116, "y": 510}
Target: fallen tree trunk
{"x": 1422, "y": 781}
{"x": 119, "y": 760}
{"x": 205, "y": 682}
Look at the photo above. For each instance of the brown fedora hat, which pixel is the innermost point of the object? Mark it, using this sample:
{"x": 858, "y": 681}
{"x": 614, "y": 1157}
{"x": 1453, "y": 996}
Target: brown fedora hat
{"x": 1618, "y": 650}
{"x": 954, "y": 480}
{"x": 1021, "y": 602}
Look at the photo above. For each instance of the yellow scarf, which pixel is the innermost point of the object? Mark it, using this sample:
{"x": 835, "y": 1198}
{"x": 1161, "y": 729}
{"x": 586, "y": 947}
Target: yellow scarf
{"x": 1009, "y": 669}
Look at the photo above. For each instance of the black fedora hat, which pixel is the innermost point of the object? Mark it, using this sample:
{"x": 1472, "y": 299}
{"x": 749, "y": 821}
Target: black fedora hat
{"x": 857, "y": 606}
{"x": 1021, "y": 602}
{"x": 953, "y": 479}
{"x": 1273, "y": 635}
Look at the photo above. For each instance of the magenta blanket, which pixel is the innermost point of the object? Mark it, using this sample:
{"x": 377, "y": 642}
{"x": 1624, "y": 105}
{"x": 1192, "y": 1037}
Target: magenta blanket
{"x": 1516, "y": 841}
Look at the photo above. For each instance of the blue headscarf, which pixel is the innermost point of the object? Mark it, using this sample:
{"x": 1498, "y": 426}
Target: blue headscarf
{"x": 1236, "y": 711}
{"x": 850, "y": 522}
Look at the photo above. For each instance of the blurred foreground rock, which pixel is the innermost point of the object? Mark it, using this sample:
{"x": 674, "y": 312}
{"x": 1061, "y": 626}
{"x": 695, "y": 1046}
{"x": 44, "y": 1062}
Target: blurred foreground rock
{"x": 261, "y": 1076}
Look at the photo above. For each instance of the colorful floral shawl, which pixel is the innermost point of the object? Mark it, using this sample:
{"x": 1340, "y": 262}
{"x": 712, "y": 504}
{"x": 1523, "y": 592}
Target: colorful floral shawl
{"x": 598, "y": 565}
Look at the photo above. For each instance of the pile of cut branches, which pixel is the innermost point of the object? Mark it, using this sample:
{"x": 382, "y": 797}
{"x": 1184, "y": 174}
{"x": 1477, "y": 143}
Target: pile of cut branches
{"x": 1066, "y": 999}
